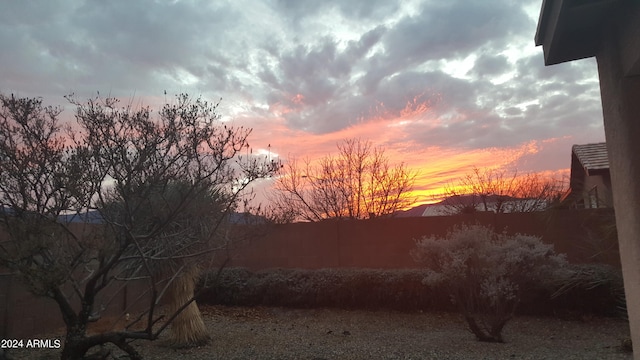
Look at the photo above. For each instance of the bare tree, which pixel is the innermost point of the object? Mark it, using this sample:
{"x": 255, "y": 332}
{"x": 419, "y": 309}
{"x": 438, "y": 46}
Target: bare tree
{"x": 358, "y": 183}
{"x": 498, "y": 191}
{"x": 162, "y": 188}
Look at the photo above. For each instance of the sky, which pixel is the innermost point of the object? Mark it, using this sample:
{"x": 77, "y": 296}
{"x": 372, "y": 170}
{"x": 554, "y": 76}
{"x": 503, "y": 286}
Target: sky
{"x": 442, "y": 86}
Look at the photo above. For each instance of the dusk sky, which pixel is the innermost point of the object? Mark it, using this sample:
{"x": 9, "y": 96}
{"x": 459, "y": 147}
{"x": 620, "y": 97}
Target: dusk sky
{"x": 442, "y": 85}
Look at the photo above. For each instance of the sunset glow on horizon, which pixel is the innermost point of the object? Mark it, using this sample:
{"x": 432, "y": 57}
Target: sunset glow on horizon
{"x": 435, "y": 166}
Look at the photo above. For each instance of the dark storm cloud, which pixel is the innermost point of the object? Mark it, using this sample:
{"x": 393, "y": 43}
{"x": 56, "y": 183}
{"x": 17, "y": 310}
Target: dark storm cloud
{"x": 563, "y": 92}
{"x": 164, "y": 40}
{"x": 447, "y": 29}
{"x": 161, "y": 36}
{"x": 322, "y": 76}
{"x": 490, "y": 65}
{"x": 455, "y": 117}
{"x": 120, "y": 46}
{"x": 297, "y": 11}
{"x": 321, "y": 66}
{"x": 475, "y": 113}
{"x": 440, "y": 31}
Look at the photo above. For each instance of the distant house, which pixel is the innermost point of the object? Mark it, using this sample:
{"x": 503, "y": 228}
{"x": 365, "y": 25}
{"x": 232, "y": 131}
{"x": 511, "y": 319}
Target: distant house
{"x": 413, "y": 212}
{"x": 590, "y": 181}
{"x": 460, "y": 204}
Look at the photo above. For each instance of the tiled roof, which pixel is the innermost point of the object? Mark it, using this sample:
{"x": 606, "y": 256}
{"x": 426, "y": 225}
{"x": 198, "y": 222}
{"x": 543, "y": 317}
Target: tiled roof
{"x": 593, "y": 157}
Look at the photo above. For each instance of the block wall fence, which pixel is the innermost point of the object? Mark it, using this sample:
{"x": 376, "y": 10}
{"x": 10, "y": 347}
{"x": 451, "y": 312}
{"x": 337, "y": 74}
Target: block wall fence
{"x": 386, "y": 242}
{"x": 24, "y": 315}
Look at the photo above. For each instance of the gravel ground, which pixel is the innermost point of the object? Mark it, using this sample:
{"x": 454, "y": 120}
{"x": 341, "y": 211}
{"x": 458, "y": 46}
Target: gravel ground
{"x": 315, "y": 334}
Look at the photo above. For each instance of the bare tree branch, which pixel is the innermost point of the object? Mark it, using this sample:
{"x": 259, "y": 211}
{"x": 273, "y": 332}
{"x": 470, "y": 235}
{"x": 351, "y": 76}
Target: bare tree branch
{"x": 163, "y": 186}
{"x": 500, "y": 192}
{"x": 358, "y": 183}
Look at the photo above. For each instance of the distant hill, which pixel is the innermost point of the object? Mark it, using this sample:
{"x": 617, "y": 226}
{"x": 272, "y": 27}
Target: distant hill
{"x": 89, "y": 217}
{"x": 94, "y": 217}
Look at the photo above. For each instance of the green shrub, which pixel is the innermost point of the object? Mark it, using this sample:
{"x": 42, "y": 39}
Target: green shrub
{"x": 343, "y": 288}
{"x": 486, "y": 273}
{"x": 399, "y": 289}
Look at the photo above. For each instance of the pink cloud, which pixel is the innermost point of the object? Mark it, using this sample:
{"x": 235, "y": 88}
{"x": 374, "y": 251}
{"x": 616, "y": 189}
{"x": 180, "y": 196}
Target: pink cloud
{"x": 436, "y": 165}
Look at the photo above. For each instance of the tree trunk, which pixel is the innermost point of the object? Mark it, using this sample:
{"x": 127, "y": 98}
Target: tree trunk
{"x": 188, "y": 328}
{"x": 74, "y": 349}
{"x": 77, "y": 345}
{"x": 495, "y": 335}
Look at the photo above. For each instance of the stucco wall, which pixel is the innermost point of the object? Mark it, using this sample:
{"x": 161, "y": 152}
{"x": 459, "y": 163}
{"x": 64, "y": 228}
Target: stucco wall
{"x": 620, "y": 90}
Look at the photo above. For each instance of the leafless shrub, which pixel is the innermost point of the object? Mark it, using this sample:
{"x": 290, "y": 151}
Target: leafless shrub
{"x": 486, "y": 273}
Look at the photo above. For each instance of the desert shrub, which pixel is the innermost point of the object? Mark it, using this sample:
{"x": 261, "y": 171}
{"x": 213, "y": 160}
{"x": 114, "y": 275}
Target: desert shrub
{"x": 403, "y": 289}
{"x": 486, "y": 273}
{"x": 400, "y": 289}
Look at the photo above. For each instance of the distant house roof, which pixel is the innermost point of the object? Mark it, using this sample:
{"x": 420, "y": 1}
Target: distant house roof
{"x": 413, "y": 212}
{"x": 590, "y": 182}
{"x": 473, "y": 202}
{"x": 592, "y": 157}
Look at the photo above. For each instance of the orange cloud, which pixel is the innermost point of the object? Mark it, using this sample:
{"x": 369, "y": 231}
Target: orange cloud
{"x": 436, "y": 166}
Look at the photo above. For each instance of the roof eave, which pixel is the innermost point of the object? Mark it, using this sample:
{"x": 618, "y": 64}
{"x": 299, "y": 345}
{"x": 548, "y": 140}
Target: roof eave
{"x": 571, "y": 29}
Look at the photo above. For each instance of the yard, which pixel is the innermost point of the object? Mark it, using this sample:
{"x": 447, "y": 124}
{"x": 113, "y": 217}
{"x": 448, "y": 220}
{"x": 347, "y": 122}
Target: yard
{"x": 314, "y": 334}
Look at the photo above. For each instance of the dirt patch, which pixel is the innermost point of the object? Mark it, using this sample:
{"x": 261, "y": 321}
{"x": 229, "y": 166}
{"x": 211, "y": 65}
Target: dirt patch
{"x": 281, "y": 333}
